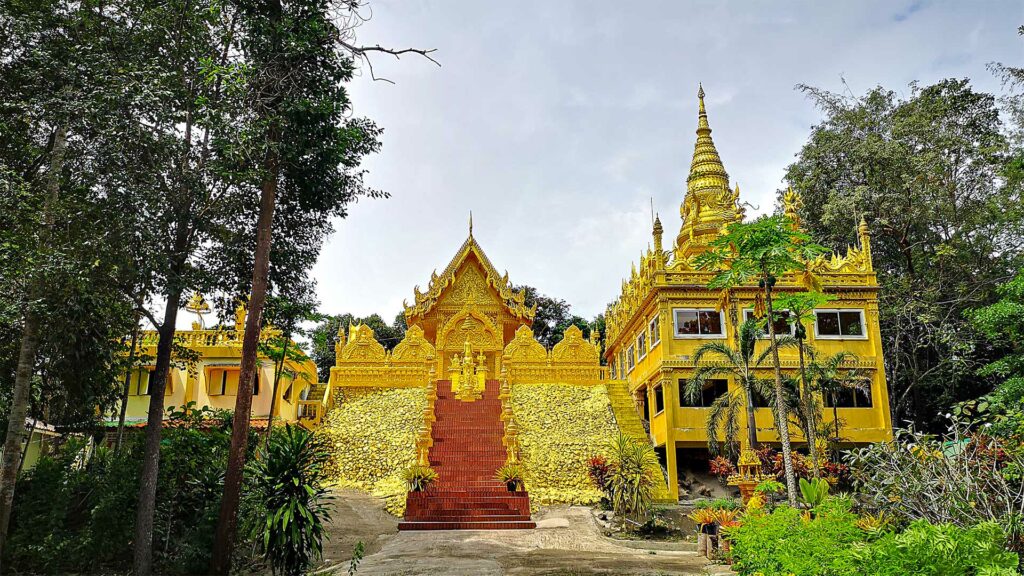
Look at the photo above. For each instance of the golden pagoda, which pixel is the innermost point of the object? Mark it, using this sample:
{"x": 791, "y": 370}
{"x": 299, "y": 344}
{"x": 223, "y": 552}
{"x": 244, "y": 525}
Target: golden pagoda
{"x": 666, "y": 311}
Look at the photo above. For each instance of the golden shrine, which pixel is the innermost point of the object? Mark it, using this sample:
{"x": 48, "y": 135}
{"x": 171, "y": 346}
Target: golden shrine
{"x": 666, "y": 311}
{"x": 470, "y": 325}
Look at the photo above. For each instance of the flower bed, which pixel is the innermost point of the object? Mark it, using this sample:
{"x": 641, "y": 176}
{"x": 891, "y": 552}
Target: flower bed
{"x": 561, "y": 426}
{"x": 372, "y": 434}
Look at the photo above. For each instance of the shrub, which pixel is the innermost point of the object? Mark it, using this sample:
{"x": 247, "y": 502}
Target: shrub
{"x": 956, "y": 478}
{"x": 632, "y": 482}
{"x": 721, "y": 466}
{"x": 936, "y": 549}
{"x": 600, "y": 472}
{"x": 289, "y": 475}
{"x": 71, "y": 511}
{"x": 813, "y": 492}
{"x": 784, "y": 542}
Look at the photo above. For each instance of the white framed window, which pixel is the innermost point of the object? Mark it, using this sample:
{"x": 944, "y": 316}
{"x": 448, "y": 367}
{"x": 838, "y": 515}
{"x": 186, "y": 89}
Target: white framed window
{"x": 630, "y": 358}
{"x": 641, "y": 345}
{"x": 655, "y": 327}
{"x": 782, "y": 326}
{"x": 840, "y": 324}
{"x": 698, "y": 323}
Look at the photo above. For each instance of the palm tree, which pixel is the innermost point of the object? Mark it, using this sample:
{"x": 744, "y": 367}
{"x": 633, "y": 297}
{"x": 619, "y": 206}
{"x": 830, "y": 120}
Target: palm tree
{"x": 762, "y": 251}
{"x": 831, "y": 377}
{"x": 799, "y": 309}
{"x": 739, "y": 363}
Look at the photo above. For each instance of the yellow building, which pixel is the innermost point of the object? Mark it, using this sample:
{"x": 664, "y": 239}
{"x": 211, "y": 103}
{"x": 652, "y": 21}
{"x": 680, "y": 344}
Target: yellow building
{"x": 212, "y": 381}
{"x": 665, "y": 312}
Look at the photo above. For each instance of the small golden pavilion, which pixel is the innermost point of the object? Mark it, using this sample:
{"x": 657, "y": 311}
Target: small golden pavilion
{"x": 666, "y": 311}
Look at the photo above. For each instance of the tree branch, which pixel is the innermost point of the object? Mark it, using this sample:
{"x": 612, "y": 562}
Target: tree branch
{"x": 363, "y": 53}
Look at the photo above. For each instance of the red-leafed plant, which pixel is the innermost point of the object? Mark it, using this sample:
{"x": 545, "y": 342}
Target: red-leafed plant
{"x": 600, "y": 472}
{"x": 721, "y": 467}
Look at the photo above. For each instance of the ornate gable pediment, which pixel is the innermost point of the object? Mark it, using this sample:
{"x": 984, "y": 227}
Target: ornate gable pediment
{"x": 469, "y": 277}
{"x": 525, "y": 348}
{"x": 362, "y": 346}
{"x": 413, "y": 348}
{"x": 573, "y": 348}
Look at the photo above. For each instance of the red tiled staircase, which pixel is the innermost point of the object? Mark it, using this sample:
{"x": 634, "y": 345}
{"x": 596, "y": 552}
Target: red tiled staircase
{"x": 466, "y": 452}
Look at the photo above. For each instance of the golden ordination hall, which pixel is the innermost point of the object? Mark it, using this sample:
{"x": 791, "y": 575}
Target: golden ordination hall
{"x": 469, "y": 387}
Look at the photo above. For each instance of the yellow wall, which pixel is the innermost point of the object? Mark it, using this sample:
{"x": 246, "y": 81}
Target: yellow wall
{"x": 222, "y": 354}
{"x": 671, "y": 360}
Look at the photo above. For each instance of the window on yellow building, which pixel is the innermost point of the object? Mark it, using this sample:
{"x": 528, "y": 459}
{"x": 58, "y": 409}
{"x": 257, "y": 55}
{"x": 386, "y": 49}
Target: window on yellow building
{"x": 839, "y": 324}
{"x": 139, "y": 384}
{"x": 694, "y": 323}
{"x": 712, "y": 390}
{"x": 655, "y": 328}
{"x": 782, "y": 325}
{"x": 641, "y": 345}
{"x": 630, "y": 358}
{"x": 659, "y": 399}
{"x": 848, "y": 398}
{"x": 223, "y": 382}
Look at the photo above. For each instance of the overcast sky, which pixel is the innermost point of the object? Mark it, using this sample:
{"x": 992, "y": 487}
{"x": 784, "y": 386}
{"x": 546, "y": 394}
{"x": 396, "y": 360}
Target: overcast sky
{"x": 557, "y": 123}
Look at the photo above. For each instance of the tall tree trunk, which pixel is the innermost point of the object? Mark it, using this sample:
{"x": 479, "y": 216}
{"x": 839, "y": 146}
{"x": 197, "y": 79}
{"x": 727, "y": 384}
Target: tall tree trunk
{"x": 16, "y": 430}
{"x": 228, "y": 518}
{"x": 143, "y": 545}
{"x": 751, "y": 421}
{"x": 810, "y": 413}
{"x": 273, "y": 392}
{"x": 781, "y": 421}
{"x": 127, "y": 386}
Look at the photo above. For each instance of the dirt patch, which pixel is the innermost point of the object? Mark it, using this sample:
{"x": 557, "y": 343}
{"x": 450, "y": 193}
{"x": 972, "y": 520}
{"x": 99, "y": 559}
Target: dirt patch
{"x": 567, "y": 541}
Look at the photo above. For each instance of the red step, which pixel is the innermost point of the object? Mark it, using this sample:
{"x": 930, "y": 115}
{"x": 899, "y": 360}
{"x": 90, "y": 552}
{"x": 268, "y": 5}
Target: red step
{"x": 466, "y": 451}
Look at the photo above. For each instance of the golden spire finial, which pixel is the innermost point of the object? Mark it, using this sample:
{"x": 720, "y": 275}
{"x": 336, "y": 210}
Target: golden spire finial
{"x": 470, "y": 223}
{"x": 700, "y": 98}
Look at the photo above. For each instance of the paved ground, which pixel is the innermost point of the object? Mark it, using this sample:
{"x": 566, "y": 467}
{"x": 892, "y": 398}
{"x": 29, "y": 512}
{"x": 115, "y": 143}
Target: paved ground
{"x": 567, "y": 542}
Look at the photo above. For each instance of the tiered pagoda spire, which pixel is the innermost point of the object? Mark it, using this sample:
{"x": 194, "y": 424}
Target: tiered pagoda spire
{"x": 709, "y": 204}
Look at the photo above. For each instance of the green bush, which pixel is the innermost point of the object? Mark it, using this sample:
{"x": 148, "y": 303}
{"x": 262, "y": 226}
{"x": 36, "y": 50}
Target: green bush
{"x": 289, "y": 476}
{"x": 937, "y": 550}
{"x": 787, "y": 542}
{"x": 72, "y": 511}
{"x": 784, "y": 542}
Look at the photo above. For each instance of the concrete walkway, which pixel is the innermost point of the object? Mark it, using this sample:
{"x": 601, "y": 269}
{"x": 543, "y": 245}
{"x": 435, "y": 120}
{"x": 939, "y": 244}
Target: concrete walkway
{"x": 567, "y": 542}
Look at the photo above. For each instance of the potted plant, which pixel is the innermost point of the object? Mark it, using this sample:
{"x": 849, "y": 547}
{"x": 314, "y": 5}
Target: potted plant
{"x": 419, "y": 477}
{"x": 511, "y": 474}
{"x": 705, "y": 520}
{"x": 725, "y": 518}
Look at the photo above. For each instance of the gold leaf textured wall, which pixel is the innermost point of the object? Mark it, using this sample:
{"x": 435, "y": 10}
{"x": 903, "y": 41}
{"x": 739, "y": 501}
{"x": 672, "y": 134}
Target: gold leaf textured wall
{"x": 372, "y": 434}
{"x": 560, "y": 427}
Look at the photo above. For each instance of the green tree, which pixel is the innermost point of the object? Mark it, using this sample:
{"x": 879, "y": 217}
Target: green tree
{"x": 62, "y": 309}
{"x": 722, "y": 360}
{"x": 940, "y": 186}
{"x": 553, "y": 316}
{"x": 764, "y": 250}
{"x": 1002, "y": 323}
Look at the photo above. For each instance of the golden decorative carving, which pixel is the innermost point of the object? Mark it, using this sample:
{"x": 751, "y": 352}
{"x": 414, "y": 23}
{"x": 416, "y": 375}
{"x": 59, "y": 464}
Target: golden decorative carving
{"x": 524, "y": 348}
{"x": 512, "y": 300}
{"x": 472, "y": 326}
{"x": 413, "y": 348}
{"x": 362, "y": 346}
{"x": 574, "y": 349}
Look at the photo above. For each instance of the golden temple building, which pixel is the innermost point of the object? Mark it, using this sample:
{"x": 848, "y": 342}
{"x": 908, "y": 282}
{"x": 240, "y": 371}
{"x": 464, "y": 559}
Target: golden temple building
{"x": 666, "y": 312}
